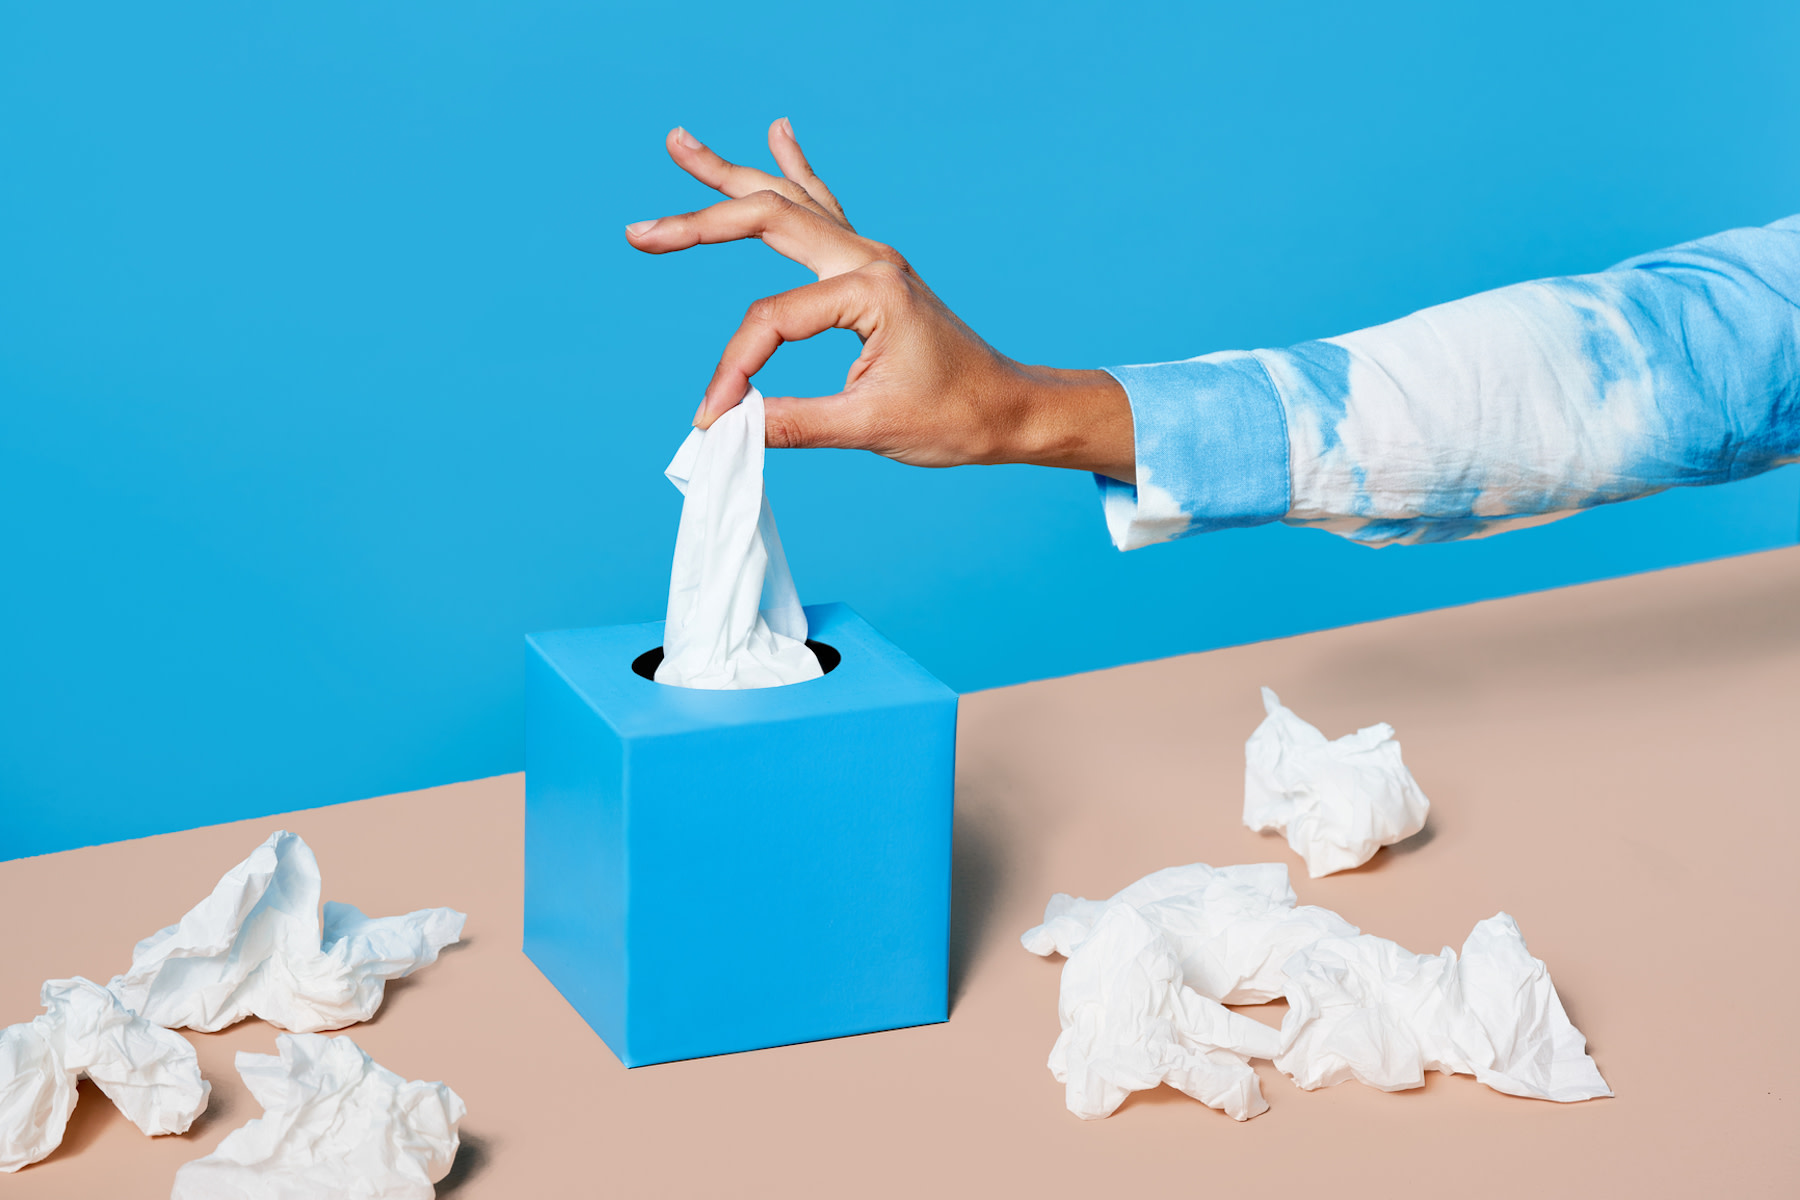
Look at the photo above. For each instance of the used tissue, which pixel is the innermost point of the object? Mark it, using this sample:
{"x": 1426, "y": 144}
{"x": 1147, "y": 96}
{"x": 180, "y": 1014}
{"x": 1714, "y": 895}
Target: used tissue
{"x": 151, "y": 1073}
{"x": 1129, "y": 1022}
{"x": 256, "y": 948}
{"x": 1148, "y": 970}
{"x": 734, "y": 619}
{"x": 1231, "y": 928}
{"x": 1364, "y": 1008}
{"x": 1338, "y": 801}
{"x": 334, "y": 1123}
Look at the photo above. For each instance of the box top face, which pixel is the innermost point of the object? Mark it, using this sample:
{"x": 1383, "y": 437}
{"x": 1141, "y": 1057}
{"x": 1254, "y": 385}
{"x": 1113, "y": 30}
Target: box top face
{"x": 874, "y": 673}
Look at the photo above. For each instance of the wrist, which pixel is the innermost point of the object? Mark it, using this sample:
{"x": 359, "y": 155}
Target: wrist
{"x": 1076, "y": 419}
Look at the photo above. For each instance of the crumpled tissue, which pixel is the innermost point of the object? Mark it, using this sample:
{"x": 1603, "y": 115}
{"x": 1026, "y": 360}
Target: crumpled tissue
{"x": 1232, "y": 928}
{"x": 1148, "y": 969}
{"x": 151, "y": 1073}
{"x": 734, "y": 619}
{"x": 1338, "y": 801}
{"x": 256, "y": 948}
{"x": 1129, "y": 1023}
{"x": 334, "y": 1123}
{"x": 1364, "y": 1008}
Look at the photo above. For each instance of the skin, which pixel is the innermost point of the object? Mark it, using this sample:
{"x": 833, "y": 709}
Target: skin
{"x": 926, "y": 390}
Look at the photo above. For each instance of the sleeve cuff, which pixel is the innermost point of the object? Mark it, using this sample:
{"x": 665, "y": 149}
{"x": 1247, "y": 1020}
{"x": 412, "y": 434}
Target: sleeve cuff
{"x": 1211, "y": 449}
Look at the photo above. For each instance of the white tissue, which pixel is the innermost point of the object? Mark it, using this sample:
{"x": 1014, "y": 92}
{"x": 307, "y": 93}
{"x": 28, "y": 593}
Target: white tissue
{"x": 1364, "y": 1008}
{"x": 151, "y": 1073}
{"x": 1338, "y": 801}
{"x": 334, "y": 1123}
{"x": 256, "y": 948}
{"x": 735, "y": 620}
{"x": 1232, "y": 929}
{"x": 36, "y": 1096}
{"x": 1130, "y": 1023}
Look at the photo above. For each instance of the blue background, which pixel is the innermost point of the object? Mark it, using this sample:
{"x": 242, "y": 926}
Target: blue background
{"x": 326, "y": 373}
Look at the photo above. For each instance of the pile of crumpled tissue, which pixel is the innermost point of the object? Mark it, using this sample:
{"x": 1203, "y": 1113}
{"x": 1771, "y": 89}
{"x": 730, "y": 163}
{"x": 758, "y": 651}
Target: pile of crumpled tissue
{"x": 149, "y": 1072}
{"x": 255, "y": 947}
{"x": 1150, "y": 971}
{"x": 1338, "y": 801}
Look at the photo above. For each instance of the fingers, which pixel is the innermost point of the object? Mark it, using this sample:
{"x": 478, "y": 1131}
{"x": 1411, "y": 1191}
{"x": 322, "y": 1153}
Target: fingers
{"x": 693, "y": 156}
{"x": 813, "y": 423}
{"x": 843, "y": 302}
{"x": 792, "y": 160}
{"x": 800, "y": 233}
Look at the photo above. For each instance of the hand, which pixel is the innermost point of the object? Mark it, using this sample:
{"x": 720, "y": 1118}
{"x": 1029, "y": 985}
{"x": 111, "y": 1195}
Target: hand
{"x": 925, "y": 390}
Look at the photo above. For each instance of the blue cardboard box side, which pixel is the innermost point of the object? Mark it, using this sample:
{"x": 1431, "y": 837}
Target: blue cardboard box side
{"x": 822, "y": 914}
{"x": 576, "y": 884}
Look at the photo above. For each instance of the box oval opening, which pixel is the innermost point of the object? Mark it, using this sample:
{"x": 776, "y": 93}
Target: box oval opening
{"x": 645, "y": 664}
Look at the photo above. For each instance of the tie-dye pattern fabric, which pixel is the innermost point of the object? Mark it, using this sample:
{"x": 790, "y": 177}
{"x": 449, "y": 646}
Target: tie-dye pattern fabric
{"x": 1509, "y": 408}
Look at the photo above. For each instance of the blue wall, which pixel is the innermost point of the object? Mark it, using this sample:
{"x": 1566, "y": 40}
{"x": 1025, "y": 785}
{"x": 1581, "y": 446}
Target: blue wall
{"x": 325, "y": 372}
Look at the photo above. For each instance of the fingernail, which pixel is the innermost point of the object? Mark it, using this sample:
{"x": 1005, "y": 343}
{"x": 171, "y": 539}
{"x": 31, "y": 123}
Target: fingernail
{"x": 684, "y": 138}
{"x": 698, "y": 412}
{"x": 639, "y": 228}
{"x": 787, "y": 127}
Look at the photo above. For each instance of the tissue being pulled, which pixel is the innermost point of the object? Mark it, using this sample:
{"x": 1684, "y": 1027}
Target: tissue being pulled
{"x": 334, "y": 1123}
{"x": 1338, "y": 801}
{"x": 151, "y": 1073}
{"x": 1364, "y": 1008}
{"x": 256, "y": 948}
{"x": 735, "y": 620}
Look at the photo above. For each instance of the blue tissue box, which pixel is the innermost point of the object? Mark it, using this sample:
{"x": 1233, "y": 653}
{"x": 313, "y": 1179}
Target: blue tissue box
{"x": 707, "y": 872}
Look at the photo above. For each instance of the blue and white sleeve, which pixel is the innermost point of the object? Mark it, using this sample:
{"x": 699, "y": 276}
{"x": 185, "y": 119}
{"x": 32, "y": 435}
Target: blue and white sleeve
{"x": 1509, "y": 408}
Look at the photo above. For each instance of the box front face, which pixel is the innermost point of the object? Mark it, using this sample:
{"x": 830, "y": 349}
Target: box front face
{"x": 789, "y": 881}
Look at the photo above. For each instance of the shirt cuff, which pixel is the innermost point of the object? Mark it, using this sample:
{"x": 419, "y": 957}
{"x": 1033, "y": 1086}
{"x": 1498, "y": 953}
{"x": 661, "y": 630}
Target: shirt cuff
{"x": 1211, "y": 449}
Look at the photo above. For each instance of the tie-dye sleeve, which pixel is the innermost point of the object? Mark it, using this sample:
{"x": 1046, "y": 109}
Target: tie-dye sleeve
{"x": 1509, "y": 408}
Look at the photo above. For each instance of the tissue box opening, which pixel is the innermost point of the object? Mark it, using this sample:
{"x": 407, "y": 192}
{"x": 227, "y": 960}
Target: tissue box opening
{"x": 646, "y": 663}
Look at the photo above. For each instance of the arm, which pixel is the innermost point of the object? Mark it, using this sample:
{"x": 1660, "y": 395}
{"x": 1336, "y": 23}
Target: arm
{"x": 1512, "y": 407}
{"x": 1508, "y": 408}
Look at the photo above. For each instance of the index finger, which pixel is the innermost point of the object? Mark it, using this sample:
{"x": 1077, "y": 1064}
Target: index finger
{"x": 803, "y": 234}
{"x": 694, "y": 157}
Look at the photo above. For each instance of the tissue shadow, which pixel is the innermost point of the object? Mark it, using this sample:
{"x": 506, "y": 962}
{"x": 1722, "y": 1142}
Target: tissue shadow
{"x": 977, "y": 869}
{"x": 219, "y": 1107}
{"x": 1417, "y": 841}
{"x": 1162, "y": 1094}
{"x": 472, "y": 1157}
{"x": 396, "y": 989}
{"x": 87, "y": 1124}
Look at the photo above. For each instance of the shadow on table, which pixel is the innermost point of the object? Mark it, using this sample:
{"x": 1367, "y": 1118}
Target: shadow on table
{"x": 1415, "y": 843}
{"x": 395, "y": 990}
{"x": 471, "y": 1160}
{"x": 977, "y": 869}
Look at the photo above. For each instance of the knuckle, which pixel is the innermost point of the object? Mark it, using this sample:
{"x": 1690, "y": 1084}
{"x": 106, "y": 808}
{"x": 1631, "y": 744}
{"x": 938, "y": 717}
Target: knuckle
{"x": 885, "y": 253}
{"x": 771, "y": 202}
{"x": 780, "y": 432}
{"x": 761, "y": 312}
{"x": 885, "y": 281}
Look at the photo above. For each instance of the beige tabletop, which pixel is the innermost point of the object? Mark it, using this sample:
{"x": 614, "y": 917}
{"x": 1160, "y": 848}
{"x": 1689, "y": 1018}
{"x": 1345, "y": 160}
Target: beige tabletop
{"x": 1613, "y": 764}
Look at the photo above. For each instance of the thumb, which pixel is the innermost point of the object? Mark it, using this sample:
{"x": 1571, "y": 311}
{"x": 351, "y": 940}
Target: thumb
{"x": 845, "y": 301}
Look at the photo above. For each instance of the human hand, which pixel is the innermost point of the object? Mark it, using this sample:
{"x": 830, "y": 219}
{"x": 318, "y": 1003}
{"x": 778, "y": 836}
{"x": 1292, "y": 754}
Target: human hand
{"x": 925, "y": 390}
